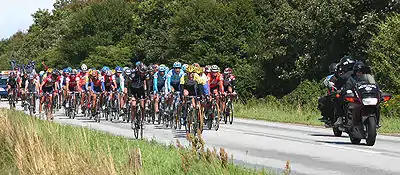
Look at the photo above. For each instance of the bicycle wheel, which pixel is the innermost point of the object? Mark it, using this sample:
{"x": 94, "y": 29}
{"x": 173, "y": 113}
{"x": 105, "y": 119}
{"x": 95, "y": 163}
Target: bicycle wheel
{"x": 230, "y": 112}
{"x": 141, "y": 124}
{"x": 216, "y": 117}
{"x": 134, "y": 126}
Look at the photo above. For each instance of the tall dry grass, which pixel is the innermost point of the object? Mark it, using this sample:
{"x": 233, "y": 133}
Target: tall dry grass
{"x": 35, "y": 151}
{"x": 32, "y": 146}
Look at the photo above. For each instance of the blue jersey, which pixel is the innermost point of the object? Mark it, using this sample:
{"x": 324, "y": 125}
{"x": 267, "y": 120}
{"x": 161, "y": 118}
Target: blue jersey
{"x": 159, "y": 81}
{"x": 173, "y": 79}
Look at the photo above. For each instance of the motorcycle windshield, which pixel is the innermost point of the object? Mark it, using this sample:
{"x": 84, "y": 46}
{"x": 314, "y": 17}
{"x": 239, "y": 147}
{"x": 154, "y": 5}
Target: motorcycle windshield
{"x": 366, "y": 86}
{"x": 365, "y": 79}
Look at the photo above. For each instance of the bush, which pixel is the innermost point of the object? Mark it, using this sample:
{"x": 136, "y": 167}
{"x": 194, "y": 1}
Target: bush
{"x": 306, "y": 94}
{"x": 392, "y": 107}
{"x": 385, "y": 56}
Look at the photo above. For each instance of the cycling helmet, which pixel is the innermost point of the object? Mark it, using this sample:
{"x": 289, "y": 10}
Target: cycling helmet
{"x": 138, "y": 63}
{"x": 69, "y": 69}
{"x": 12, "y": 74}
{"x": 105, "y": 68}
{"x": 118, "y": 69}
{"x": 84, "y": 67}
{"x": 228, "y": 70}
{"x": 142, "y": 69}
{"x": 207, "y": 69}
{"x": 190, "y": 69}
{"x": 214, "y": 68}
{"x": 41, "y": 73}
{"x": 199, "y": 70}
{"x": 31, "y": 77}
{"x": 125, "y": 68}
{"x": 332, "y": 68}
{"x": 55, "y": 72}
{"x": 49, "y": 70}
{"x": 177, "y": 65}
{"x": 196, "y": 65}
{"x": 109, "y": 73}
{"x": 162, "y": 68}
{"x": 150, "y": 68}
{"x": 95, "y": 73}
{"x": 74, "y": 72}
{"x": 184, "y": 67}
{"x": 128, "y": 71}
{"x": 156, "y": 67}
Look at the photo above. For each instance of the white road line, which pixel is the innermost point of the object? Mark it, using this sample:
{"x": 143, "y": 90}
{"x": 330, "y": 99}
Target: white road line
{"x": 353, "y": 149}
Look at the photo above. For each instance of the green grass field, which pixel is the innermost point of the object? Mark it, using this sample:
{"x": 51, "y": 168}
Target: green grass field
{"x": 32, "y": 146}
{"x": 288, "y": 114}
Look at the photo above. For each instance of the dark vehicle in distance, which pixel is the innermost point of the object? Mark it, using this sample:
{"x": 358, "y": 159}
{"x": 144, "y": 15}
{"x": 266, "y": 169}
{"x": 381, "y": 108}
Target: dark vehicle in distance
{"x": 3, "y": 86}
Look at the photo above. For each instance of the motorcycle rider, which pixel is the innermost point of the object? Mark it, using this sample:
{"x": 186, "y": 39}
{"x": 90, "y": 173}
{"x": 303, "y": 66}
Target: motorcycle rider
{"x": 325, "y": 103}
{"x": 342, "y": 75}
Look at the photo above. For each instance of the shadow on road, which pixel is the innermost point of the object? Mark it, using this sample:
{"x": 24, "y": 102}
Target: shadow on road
{"x": 179, "y": 134}
{"x": 326, "y": 135}
{"x": 339, "y": 142}
{"x": 161, "y": 127}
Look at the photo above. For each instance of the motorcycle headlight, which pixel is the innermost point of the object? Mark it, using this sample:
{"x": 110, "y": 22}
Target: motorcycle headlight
{"x": 370, "y": 101}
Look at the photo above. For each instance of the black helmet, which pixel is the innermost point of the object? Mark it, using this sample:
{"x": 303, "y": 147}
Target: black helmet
{"x": 333, "y": 67}
{"x": 346, "y": 64}
{"x": 359, "y": 66}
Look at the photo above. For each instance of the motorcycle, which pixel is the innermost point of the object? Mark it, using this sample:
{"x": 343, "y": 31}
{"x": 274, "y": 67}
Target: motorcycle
{"x": 361, "y": 110}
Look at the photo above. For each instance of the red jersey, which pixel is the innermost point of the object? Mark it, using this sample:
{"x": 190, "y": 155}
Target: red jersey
{"x": 215, "y": 81}
{"x": 49, "y": 81}
{"x": 72, "y": 81}
{"x": 228, "y": 79}
{"x": 108, "y": 81}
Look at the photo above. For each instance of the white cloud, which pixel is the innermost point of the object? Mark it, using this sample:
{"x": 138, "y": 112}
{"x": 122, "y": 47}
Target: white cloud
{"x": 15, "y": 15}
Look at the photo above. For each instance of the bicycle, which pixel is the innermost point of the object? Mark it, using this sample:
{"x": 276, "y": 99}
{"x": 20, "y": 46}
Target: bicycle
{"x": 189, "y": 114}
{"x": 137, "y": 122}
{"x": 98, "y": 110}
{"x": 176, "y": 113}
{"x": 229, "y": 109}
{"x": 70, "y": 107}
{"x": 12, "y": 97}
{"x": 48, "y": 106}
{"x": 212, "y": 114}
{"x": 31, "y": 105}
{"x": 161, "y": 109}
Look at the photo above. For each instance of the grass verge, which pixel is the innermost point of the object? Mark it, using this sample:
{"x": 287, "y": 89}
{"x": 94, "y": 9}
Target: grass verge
{"x": 32, "y": 146}
{"x": 286, "y": 113}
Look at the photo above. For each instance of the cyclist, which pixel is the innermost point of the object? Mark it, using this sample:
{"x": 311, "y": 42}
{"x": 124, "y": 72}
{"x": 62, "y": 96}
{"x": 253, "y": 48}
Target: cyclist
{"x": 12, "y": 84}
{"x": 48, "y": 86}
{"x": 21, "y": 83}
{"x": 229, "y": 80}
{"x": 83, "y": 84}
{"x": 159, "y": 84}
{"x": 32, "y": 86}
{"x": 136, "y": 84}
{"x": 174, "y": 77}
{"x": 190, "y": 83}
{"x": 216, "y": 85}
{"x": 109, "y": 83}
{"x": 120, "y": 81}
{"x": 63, "y": 83}
{"x": 97, "y": 87}
{"x": 72, "y": 85}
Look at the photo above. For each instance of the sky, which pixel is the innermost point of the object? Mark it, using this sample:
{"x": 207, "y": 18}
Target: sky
{"x": 15, "y": 15}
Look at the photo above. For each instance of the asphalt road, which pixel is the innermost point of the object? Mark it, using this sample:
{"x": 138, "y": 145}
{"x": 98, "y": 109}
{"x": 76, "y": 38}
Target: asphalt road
{"x": 259, "y": 144}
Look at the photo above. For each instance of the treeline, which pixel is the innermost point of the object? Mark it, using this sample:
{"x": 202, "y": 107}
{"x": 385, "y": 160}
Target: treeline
{"x": 272, "y": 45}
